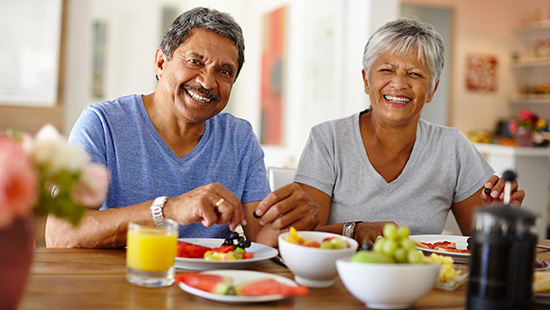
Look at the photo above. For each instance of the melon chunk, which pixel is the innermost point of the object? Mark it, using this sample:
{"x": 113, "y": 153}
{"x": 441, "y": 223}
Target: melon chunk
{"x": 211, "y": 283}
{"x": 268, "y": 286}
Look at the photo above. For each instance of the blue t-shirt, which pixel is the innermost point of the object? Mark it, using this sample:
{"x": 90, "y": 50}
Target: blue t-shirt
{"x": 120, "y": 135}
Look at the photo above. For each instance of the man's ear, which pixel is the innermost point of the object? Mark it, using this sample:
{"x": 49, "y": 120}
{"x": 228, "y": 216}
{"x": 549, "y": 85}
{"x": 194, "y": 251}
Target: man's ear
{"x": 160, "y": 60}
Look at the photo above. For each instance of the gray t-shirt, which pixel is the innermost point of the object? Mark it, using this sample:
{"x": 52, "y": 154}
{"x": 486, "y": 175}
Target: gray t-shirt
{"x": 444, "y": 167}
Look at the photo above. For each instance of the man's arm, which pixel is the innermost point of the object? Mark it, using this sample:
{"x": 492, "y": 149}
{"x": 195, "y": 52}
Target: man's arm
{"x": 209, "y": 204}
{"x": 98, "y": 229}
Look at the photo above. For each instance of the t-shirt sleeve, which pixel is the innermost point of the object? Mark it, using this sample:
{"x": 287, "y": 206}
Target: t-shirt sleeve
{"x": 316, "y": 166}
{"x": 257, "y": 185}
{"x": 473, "y": 169}
{"x": 88, "y": 132}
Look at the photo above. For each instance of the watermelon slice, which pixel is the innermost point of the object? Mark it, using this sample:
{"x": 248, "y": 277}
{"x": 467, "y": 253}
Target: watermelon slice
{"x": 190, "y": 250}
{"x": 269, "y": 286}
{"x": 211, "y": 283}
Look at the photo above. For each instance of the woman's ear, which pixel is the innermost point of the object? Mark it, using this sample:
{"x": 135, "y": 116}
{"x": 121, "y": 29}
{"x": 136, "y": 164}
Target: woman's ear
{"x": 431, "y": 95}
{"x": 365, "y": 81}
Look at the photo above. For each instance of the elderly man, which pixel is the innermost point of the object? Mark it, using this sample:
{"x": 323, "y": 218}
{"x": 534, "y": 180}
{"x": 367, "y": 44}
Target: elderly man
{"x": 172, "y": 154}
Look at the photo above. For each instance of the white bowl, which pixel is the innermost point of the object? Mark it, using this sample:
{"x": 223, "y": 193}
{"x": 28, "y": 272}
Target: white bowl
{"x": 387, "y": 286}
{"x": 314, "y": 267}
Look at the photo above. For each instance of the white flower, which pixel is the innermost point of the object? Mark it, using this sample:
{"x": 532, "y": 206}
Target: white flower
{"x": 50, "y": 150}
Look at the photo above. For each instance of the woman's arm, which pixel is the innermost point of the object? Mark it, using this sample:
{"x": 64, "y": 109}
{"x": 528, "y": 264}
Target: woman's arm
{"x": 365, "y": 229}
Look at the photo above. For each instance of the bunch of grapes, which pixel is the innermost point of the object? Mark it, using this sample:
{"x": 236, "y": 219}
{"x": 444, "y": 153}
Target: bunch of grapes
{"x": 393, "y": 247}
{"x": 241, "y": 241}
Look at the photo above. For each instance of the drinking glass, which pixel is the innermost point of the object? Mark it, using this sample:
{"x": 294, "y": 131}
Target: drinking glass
{"x": 151, "y": 253}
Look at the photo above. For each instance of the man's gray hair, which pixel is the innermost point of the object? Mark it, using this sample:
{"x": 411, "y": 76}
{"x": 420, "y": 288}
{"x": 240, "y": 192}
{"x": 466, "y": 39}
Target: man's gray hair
{"x": 204, "y": 18}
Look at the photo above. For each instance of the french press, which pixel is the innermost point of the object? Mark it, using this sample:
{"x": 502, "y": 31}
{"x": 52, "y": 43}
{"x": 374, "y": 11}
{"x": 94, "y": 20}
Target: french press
{"x": 502, "y": 256}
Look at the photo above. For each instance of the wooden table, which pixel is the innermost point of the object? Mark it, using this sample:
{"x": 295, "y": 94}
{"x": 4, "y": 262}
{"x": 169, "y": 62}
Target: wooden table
{"x": 95, "y": 279}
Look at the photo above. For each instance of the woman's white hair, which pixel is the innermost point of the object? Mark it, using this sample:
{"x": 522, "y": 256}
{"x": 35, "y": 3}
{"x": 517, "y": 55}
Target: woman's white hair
{"x": 405, "y": 36}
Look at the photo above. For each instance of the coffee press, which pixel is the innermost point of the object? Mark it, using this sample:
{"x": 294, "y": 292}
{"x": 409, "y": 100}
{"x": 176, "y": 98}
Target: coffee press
{"x": 502, "y": 256}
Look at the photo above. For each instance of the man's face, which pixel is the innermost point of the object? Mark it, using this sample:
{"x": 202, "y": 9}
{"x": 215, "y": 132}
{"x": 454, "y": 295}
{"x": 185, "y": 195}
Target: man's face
{"x": 199, "y": 77}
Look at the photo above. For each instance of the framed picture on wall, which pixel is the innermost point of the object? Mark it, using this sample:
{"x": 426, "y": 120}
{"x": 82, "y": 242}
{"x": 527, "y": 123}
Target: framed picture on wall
{"x": 272, "y": 92}
{"x": 29, "y": 57}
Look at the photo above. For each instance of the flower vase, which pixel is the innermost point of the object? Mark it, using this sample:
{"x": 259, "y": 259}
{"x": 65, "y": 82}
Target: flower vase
{"x": 524, "y": 137}
{"x": 16, "y": 250}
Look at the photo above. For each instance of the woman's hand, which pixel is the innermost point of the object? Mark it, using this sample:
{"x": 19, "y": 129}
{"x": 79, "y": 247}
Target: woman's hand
{"x": 496, "y": 186}
{"x": 369, "y": 231}
{"x": 209, "y": 204}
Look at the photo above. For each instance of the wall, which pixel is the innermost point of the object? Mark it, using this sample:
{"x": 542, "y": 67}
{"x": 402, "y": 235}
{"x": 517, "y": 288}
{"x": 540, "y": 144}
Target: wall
{"x": 323, "y": 80}
{"x": 31, "y": 119}
{"x": 483, "y": 27}
{"x": 480, "y": 27}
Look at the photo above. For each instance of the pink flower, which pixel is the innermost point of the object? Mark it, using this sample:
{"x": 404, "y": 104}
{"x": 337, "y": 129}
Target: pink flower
{"x": 92, "y": 187}
{"x": 18, "y": 182}
{"x": 527, "y": 115}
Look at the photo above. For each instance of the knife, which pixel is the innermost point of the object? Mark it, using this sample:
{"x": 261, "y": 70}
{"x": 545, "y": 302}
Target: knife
{"x": 543, "y": 247}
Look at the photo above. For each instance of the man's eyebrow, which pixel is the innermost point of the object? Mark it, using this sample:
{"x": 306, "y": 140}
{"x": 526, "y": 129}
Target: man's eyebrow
{"x": 195, "y": 54}
{"x": 228, "y": 66}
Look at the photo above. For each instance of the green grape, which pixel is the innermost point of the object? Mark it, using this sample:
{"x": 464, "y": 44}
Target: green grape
{"x": 390, "y": 231}
{"x": 378, "y": 245}
{"x": 403, "y": 232}
{"x": 400, "y": 255}
{"x": 408, "y": 244}
{"x": 415, "y": 257}
{"x": 389, "y": 247}
{"x": 371, "y": 257}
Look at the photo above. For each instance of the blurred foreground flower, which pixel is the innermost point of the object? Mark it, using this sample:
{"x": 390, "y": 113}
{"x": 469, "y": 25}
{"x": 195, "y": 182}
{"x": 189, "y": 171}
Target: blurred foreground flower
{"x": 30, "y": 170}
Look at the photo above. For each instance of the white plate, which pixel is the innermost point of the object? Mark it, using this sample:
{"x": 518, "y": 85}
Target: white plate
{"x": 239, "y": 276}
{"x": 461, "y": 244}
{"x": 261, "y": 253}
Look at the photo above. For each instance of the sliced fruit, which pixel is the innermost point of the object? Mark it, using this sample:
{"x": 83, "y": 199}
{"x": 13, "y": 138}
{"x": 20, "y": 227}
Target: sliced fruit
{"x": 223, "y": 249}
{"x": 211, "y": 283}
{"x": 269, "y": 286}
{"x": 294, "y": 237}
{"x": 334, "y": 243}
{"x": 311, "y": 244}
{"x": 211, "y": 255}
{"x": 248, "y": 255}
{"x": 190, "y": 250}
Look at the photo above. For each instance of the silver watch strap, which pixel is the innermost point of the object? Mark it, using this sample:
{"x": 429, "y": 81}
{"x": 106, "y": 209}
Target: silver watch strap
{"x": 156, "y": 210}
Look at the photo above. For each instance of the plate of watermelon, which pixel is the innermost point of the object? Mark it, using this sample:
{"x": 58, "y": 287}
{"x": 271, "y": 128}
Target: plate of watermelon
{"x": 239, "y": 286}
{"x": 194, "y": 249}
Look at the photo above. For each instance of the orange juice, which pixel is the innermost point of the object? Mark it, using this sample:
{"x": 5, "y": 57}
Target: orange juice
{"x": 151, "y": 249}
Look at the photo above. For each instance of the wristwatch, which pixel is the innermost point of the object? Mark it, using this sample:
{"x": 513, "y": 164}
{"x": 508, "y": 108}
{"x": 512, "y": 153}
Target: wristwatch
{"x": 156, "y": 210}
{"x": 349, "y": 229}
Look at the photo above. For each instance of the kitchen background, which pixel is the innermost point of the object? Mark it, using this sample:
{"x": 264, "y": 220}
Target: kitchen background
{"x": 303, "y": 61}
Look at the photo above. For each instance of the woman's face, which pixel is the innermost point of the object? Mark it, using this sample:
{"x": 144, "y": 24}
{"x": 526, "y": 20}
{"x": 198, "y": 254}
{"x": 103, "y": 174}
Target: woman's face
{"x": 398, "y": 86}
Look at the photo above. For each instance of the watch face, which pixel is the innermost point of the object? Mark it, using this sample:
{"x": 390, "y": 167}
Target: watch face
{"x": 348, "y": 230}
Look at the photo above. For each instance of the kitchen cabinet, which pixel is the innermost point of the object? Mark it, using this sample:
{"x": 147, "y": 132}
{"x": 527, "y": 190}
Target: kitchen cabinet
{"x": 531, "y": 66}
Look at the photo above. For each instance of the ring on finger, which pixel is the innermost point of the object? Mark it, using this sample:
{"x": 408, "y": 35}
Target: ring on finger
{"x": 219, "y": 203}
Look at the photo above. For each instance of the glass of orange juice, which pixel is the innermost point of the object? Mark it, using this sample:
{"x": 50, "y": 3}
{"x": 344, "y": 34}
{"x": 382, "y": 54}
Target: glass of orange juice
{"x": 151, "y": 253}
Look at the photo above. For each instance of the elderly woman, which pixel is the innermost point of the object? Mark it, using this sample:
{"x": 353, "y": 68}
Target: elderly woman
{"x": 386, "y": 164}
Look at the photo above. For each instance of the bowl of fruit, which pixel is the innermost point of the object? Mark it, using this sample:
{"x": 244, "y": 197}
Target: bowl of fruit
{"x": 311, "y": 255}
{"x": 393, "y": 274}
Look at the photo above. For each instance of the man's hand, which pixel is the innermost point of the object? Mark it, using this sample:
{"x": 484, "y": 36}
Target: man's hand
{"x": 209, "y": 204}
